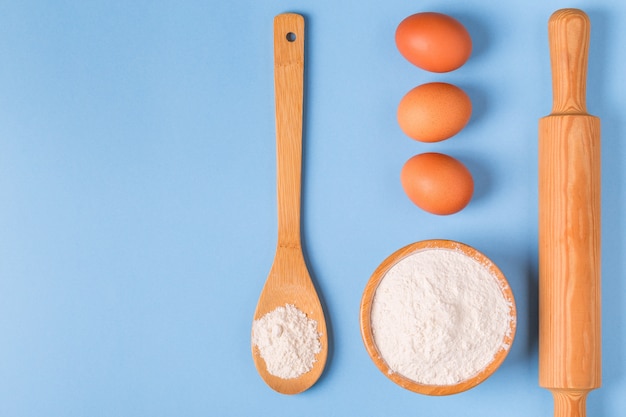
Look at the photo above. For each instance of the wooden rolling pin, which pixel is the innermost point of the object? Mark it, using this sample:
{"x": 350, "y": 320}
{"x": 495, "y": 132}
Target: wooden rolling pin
{"x": 569, "y": 224}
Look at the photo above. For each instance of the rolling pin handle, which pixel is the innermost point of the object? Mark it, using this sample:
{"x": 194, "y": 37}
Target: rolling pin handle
{"x": 568, "y": 35}
{"x": 569, "y": 403}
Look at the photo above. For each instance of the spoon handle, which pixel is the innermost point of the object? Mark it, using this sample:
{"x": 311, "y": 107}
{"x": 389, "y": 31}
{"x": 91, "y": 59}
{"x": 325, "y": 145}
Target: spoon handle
{"x": 289, "y": 96}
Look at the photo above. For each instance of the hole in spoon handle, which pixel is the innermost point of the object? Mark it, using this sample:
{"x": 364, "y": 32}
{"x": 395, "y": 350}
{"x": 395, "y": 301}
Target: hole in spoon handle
{"x": 568, "y": 34}
{"x": 288, "y": 38}
{"x": 289, "y": 97}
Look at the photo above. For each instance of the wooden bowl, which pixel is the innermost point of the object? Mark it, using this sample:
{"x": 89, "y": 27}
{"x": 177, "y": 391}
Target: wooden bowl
{"x": 366, "y": 325}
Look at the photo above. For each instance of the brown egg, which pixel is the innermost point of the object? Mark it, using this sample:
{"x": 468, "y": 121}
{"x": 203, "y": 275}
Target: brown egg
{"x": 433, "y": 112}
{"x": 434, "y": 41}
{"x": 437, "y": 183}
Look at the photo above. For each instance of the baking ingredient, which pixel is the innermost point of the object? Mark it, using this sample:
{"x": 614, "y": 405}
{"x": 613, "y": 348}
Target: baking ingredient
{"x": 437, "y": 183}
{"x": 433, "y": 112}
{"x": 434, "y": 41}
{"x": 439, "y": 317}
{"x": 287, "y": 341}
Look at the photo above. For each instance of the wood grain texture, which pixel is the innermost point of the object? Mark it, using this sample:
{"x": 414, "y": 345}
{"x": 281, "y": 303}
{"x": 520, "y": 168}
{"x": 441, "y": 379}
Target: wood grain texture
{"x": 569, "y": 402}
{"x": 289, "y": 97}
{"x": 569, "y": 225}
{"x": 289, "y": 281}
{"x": 568, "y": 39}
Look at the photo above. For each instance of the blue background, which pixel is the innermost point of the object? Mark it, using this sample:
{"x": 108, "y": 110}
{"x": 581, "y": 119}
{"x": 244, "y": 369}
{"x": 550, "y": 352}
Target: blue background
{"x": 138, "y": 203}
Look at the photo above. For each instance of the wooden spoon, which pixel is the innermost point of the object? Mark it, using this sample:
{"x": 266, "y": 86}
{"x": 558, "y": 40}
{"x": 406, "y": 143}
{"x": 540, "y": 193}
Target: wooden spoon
{"x": 289, "y": 281}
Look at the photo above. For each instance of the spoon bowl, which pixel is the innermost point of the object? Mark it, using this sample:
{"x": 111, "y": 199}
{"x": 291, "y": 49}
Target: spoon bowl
{"x": 289, "y": 281}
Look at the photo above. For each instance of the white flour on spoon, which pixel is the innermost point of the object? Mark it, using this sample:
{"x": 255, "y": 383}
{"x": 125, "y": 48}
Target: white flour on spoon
{"x": 287, "y": 341}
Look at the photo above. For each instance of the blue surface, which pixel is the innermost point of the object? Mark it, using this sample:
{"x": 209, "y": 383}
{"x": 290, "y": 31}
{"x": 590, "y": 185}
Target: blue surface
{"x": 137, "y": 180}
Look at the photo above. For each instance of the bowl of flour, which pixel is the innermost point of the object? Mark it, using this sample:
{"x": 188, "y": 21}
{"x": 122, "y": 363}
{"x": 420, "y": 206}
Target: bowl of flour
{"x": 438, "y": 317}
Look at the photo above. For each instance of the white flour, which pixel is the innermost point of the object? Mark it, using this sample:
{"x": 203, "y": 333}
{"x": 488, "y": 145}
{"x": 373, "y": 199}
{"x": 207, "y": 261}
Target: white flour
{"x": 287, "y": 340}
{"x": 439, "y": 317}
